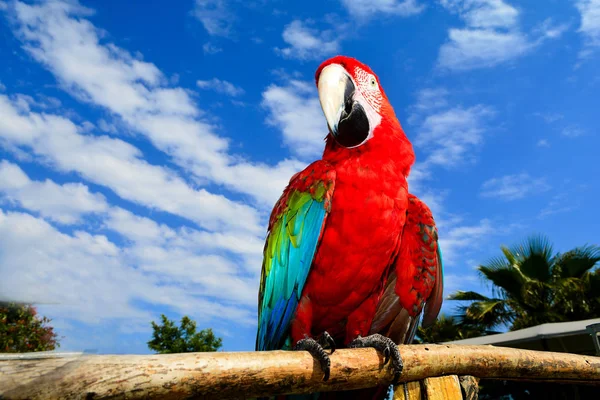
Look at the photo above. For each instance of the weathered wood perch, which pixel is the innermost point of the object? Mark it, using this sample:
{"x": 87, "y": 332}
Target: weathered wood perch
{"x": 250, "y": 374}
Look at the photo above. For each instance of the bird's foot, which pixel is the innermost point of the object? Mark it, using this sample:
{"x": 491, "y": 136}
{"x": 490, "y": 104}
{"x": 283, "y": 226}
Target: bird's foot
{"x": 326, "y": 341}
{"x": 386, "y": 346}
{"x": 315, "y": 348}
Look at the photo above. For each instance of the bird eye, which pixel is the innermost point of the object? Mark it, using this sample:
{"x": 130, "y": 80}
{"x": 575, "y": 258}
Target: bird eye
{"x": 373, "y": 82}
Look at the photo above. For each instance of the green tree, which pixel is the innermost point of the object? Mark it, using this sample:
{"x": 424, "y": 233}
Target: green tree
{"x": 447, "y": 328}
{"x": 23, "y": 330}
{"x": 532, "y": 285}
{"x": 168, "y": 338}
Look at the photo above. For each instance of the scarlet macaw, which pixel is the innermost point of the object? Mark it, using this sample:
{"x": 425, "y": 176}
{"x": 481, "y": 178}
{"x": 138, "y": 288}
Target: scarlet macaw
{"x": 351, "y": 258}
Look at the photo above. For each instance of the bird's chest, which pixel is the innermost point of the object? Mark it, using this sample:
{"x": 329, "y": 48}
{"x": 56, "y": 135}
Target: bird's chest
{"x": 360, "y": 238}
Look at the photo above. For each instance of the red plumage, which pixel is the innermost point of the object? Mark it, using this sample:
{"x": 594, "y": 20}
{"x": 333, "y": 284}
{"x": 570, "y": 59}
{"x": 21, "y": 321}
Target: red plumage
{"x": 376, "y": 267}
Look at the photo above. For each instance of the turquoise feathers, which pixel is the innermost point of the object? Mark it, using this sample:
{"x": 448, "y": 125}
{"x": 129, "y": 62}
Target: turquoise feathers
{"x": 288, "y": 256}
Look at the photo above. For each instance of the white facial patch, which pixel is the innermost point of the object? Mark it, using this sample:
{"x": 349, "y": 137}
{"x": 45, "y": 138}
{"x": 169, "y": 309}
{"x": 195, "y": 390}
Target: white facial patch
{"x": 368, "y": 86}
{"x": 369, "y": 95}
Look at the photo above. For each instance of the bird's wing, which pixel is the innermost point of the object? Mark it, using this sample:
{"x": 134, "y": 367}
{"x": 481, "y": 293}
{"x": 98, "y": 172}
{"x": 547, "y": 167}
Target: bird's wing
{"x": 414, "y": 286}
{"x": 295, "y": 229}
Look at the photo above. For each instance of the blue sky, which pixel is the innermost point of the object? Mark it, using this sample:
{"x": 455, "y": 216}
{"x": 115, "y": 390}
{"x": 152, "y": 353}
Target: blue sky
{"x": 143, "y": 144}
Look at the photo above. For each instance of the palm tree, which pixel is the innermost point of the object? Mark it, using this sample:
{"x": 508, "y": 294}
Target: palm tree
{"x": 447, "y": 328}
{"x": 532, "y": 285}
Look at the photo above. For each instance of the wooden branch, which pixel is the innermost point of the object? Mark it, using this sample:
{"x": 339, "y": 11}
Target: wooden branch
{"x": 251, "y": 374}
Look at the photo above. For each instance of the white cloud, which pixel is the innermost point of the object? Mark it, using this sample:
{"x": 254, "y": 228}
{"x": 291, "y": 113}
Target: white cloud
{"x": 590, "y": 24}
{"x": 297, "y": 112}
{"x": 476, "y": 48}
{"x": 549, "y": 117}
{"x": 209, "y": 271}
{"x": 543, "y": 143}
{"x": 463, "y": 281}
{"x": 110, "y": 77}
{"x": 431, "y": 99}
{"x": 459, "y": 238}
{"x": 208, "y": 274}
{"x": 118, "y": 165}
{"x": 211, "y": 48}
{"x": 368, "y": 8}
{"x": 492, "y": 35}
{"x": 61, "y": 203}
{"x": 215, "y": 16}
{"x": 560, "y": 203}
{"x": 513, "y": 187}
{"x": 107, "y": 127}
{"x": 307, "y": 43}
{"x": 484, "y": 13}
{"x": 90, "y": 279}
{"x": 450, "y": 135}
{"x": 572, "y": 131}
{"x": 220, "y": 86}
{"x": 549, "y": 29}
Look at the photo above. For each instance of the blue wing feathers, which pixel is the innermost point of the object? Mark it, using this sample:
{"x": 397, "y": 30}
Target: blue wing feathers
{"x": 296, "y": 242}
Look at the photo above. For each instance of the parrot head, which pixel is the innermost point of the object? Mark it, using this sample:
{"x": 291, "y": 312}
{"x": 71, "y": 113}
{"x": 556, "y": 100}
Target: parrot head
{"x": 356, "y": 108}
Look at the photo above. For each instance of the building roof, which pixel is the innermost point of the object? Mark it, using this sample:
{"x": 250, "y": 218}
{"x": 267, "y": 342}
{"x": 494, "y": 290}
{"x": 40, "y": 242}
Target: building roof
{"x": 569, "y": 337}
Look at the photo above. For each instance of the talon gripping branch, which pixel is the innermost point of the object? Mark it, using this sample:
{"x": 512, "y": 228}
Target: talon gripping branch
{"x": 351, "y": 258}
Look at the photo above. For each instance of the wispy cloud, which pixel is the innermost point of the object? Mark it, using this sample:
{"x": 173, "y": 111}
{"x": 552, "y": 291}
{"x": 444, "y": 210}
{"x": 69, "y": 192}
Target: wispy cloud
{"x": 492, "y": 35}
{"x": 63, "y": 265}
{"x": 215, "y": 16}
{"x": 220, "y": 86}
{"x": 549, "y": 117}
{"x": 305, "y": 42}
{"x": 211, "y": 48}
{"x": 590, "y": 25}
{"x": 572, "y": 131}
{"x": 295, "y": 109}
{"x": 460, "y": 237}
{"x": 560, "y": 203}
{"x": 207, "y": 268}
{"x": 448, "y": 133}
{"x": 138, "y": 92}
{"x": 513, "y": 187}
{"x": 370, "y": 8}
{"x": 542, "y": 143}
{"x": 431, "y": 99}
{"x": 185, "y": 268}
{"x": 65, "y": 204}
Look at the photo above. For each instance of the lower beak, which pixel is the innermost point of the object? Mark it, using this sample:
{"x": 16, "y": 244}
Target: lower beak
{"x": 345, "y": 117}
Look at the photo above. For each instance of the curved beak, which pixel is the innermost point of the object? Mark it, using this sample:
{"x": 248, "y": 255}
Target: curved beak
{"x": 347, "y": 120}
{"x": 335, "y": 92}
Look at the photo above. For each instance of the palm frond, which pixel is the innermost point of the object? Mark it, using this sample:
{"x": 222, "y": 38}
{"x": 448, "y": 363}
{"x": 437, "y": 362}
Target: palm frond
{"x": 489, "y": 313}
{"x": 535, "y": 261}
{"x": 510, "y": 256}
{"x": 506, "y": 279}
{"x": 467, "y": 296}
{"x": 574, "y": 263}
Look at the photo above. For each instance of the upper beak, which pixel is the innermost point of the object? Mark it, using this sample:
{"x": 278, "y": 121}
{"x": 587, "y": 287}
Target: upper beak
{"x": 335, "y": 94}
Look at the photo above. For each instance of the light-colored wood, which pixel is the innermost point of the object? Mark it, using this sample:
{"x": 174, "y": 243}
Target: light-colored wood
{"x": 408, "y": 391}
{"x": 252, "y": 374}
{"x": 442, "y": 388}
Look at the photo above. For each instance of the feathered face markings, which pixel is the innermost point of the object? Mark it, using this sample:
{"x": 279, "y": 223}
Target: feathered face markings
{"x": 351, "y": 100}
{"x": 368, "y": 88}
